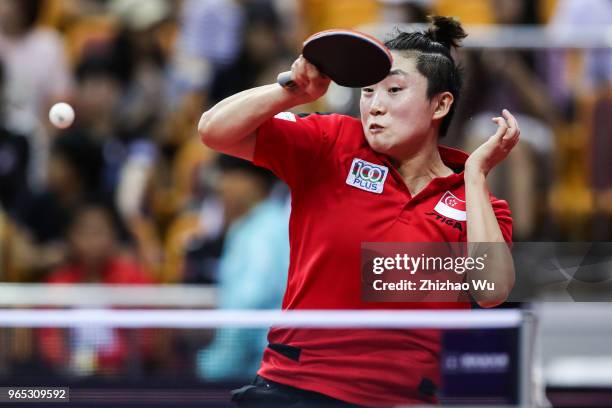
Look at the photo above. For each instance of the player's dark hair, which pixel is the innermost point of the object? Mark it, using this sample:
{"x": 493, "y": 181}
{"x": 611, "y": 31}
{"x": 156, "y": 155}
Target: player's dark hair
{"x": 432, "y": 51}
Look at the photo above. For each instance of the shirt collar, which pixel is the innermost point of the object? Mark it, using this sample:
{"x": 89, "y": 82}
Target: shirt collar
{"x": 453, "y": 158}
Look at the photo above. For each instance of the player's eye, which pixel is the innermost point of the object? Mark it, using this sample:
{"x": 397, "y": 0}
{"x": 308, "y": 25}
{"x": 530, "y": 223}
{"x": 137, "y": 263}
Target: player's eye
{"x": 367, "y": 90}
{"x": 394, "y": 89}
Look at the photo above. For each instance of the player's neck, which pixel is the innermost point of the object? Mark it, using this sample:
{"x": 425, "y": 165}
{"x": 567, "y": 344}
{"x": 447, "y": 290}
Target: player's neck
{"x": 418, "y": 169}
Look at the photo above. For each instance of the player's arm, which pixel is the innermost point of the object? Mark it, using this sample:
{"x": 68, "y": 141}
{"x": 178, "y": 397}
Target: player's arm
{"x": 230, "y": 126}
{"x": 482, "y": 223}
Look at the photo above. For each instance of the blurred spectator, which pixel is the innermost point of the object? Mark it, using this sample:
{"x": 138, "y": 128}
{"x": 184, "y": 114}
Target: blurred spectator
{"x": 193, "y": 64}
{"x": 292, "y": 25}
{"x": 94, "y": 257}
{"x": 264, "y": 52}
{"x": 581, "y": 81}
{"x": 466, "y": 11}
{"x": 139, "y": 113}
{"x": 111, "y": 109}
{"x": 94, "y": 251}
{"x": 37, "y": 75}
{"x": 202, "y": 255}
{"x": 196, "y": 62}
{"x": 253, "y": 266}
{"x": 321, "y": 15}
{"x": 74, "y": 174}
{"x": 405, "y": 11}
{"x": 32, "y": 85}
{"x": 198, "y": 222}
{"x": 507, "y": 78}
{"x": 5, "y": 267}
{"x": 14, "y": 158}
{"x": 194, "y": 223}
{"x": 142, "y": 62}
{"x": 100, "y": 80}
{"x": 571, "y": 19}
{"x": 118, "y": 100}
{"x": 62, "y": 13}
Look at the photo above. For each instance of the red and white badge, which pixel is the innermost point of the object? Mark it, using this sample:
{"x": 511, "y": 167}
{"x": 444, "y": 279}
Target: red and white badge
{"x": 451, "y": 207}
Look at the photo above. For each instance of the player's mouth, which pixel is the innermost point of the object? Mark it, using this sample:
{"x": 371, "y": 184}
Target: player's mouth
{"x": 375, "y": 128}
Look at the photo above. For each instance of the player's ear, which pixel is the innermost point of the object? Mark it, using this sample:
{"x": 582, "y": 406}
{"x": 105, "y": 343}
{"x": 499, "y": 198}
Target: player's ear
{"x": 443, "y": 102}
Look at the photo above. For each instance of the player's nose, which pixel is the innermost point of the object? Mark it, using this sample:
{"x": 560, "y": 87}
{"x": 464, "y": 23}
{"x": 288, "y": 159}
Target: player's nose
{"x": 377, "y": 106}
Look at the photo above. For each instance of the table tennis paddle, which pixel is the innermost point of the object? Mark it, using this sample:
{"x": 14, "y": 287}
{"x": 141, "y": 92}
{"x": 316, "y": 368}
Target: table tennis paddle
{"x": 347, "y": 57}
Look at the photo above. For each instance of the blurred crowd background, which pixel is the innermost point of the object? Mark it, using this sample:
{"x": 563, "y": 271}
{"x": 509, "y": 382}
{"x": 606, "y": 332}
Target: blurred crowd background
{"x": 129, "y": 194}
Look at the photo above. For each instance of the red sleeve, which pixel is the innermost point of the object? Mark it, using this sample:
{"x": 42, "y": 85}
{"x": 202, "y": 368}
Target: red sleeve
{"x": 504, "y": 218}
{"x": 289, "y": 145}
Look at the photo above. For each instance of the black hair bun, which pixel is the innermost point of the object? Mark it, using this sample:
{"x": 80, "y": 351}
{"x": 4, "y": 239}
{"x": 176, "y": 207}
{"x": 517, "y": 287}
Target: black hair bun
{"x": 445, "y": 30}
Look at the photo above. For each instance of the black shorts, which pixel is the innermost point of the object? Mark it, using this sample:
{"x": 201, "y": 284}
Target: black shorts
{"x": 270, "y": 394}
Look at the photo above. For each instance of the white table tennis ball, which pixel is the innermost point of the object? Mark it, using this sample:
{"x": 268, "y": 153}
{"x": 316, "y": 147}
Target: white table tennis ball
{"x": 61, "y": 115}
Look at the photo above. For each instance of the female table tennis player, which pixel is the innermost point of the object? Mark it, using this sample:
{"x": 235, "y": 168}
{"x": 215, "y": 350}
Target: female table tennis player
{"x": 402, "y": 119}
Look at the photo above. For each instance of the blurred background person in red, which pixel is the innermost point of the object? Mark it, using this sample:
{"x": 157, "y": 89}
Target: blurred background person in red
{"x": 94, "y": 251}
{"x": 75, "y": 167}
{"x": 94, "y": 257}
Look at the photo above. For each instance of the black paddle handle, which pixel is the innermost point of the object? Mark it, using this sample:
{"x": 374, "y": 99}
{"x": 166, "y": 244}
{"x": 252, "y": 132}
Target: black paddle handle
{"x": 285, "y": 80}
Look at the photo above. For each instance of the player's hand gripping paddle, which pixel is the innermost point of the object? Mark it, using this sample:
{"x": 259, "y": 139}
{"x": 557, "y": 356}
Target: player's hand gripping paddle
{"x": 347, "y": 57}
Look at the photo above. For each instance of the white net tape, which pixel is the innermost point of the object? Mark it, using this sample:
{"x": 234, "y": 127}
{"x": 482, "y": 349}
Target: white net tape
{"x": 98, "y": 322}
{"x": 447, "y": 319}
{"x": 98, "y": 295}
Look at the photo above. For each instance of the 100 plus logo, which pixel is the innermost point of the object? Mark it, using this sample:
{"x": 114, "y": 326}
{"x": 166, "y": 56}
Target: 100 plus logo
{"x": 367, "y": 176}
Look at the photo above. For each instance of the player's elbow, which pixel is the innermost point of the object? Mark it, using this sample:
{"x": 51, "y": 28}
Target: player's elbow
{"x": 488, "y": 299}
{"x": 491, "y": 301}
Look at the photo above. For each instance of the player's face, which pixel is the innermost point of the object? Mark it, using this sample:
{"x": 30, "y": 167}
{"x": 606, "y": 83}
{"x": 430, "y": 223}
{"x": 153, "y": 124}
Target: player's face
{"x": 396, "y": 113}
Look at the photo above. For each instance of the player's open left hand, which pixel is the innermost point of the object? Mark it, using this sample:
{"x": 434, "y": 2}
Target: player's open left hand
{"x": 496, "y": 149}
{"x": 310, "y": 84}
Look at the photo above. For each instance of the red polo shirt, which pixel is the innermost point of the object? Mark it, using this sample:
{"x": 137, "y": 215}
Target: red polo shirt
{"x": 331, "y": 216}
